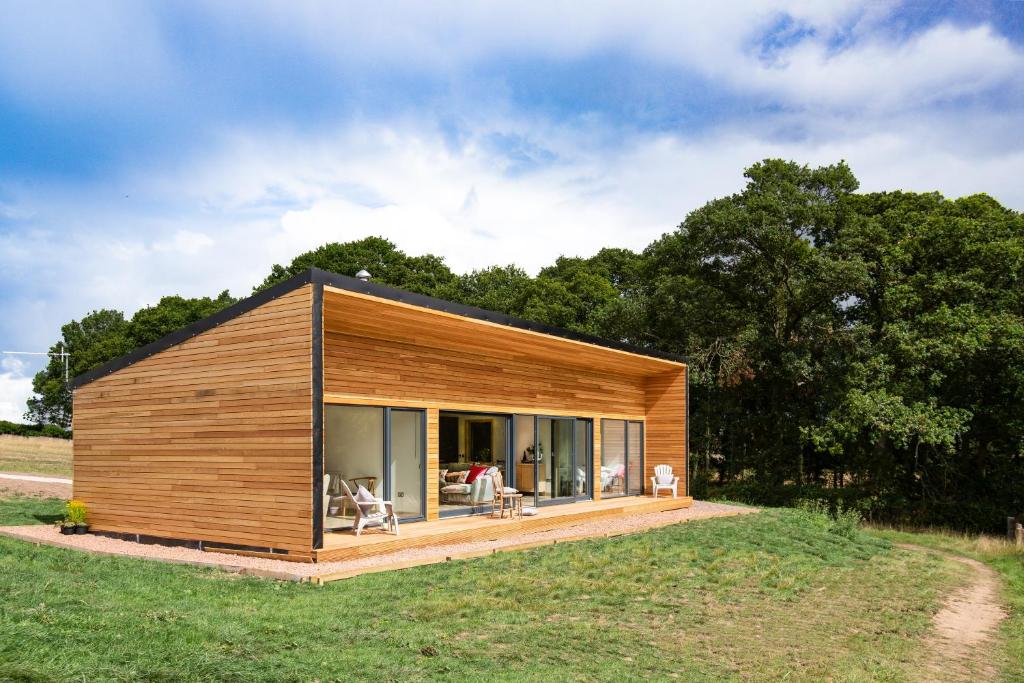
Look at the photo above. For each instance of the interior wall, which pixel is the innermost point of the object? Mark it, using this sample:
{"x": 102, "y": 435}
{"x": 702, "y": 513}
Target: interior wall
{"x": 354, "y": 444}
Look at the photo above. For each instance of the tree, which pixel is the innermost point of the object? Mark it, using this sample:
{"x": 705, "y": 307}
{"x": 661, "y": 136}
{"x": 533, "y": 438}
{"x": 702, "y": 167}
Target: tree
{"x": 104, "y": 335}
{"x": 94, "y": 340}
{"x": 931, "y": 415}
{"x": 171, "y": 313}
{"x": 387, "y": 264}
{"x": 498, "y": 288}
{"x": 752, "y": 287}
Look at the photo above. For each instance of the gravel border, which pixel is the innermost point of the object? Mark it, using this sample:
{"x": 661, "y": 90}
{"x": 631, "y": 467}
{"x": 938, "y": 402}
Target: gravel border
{"x": 301, "y": 571}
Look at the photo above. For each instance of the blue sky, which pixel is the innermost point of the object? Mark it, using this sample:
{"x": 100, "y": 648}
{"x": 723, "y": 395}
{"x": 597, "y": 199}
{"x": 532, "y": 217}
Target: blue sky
{"x": 156, "y": 148}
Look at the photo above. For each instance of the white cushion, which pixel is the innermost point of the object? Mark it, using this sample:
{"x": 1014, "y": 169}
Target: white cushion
{"x": 363, "y": 495}
{"x": 491, "y": 470}
{"x": 665, "y": 478}
{"x": 509, "y": 489}
{"x": 457, "y": 488}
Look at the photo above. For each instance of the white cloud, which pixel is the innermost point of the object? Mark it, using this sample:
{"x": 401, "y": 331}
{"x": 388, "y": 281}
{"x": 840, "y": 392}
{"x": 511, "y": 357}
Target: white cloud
{"x": 838, "y": 55}
{"x": 15, "y": 388}
{"x": 184, "y": 242}
{"x": 942, "y": 63}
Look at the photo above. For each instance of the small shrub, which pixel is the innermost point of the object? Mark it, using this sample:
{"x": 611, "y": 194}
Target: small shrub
{"x": 846, "y": 523}
{"x": 74, "y": 512}
{"x": 839, "y": 520}
{"x": 17, "y": 429}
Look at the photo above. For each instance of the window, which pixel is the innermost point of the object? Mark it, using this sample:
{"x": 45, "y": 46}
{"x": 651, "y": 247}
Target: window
{"x": 467, "y": 441}
{"x": 622, "y": 458}
{"x": 382, "y": 449}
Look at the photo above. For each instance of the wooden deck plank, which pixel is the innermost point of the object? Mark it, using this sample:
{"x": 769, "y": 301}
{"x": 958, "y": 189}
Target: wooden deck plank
{"x": 345, "y": 545}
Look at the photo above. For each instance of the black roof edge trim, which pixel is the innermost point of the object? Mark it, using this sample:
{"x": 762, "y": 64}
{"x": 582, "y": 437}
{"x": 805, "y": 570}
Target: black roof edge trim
{"x": 192, "y": 329}
{"x": 352, "y": 284}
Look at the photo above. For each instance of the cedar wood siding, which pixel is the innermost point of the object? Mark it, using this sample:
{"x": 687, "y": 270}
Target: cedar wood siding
{"x": 665, "y": 432}
{"x": 380, "y": 353}
{"x": 210, "y": 439}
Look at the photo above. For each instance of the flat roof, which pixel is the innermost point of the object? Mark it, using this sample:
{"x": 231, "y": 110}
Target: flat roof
{"x": 317, "y": 276}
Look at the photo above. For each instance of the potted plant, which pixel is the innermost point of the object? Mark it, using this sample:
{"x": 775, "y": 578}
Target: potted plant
{"x": 66, "y": 528}
{"x": 74, "y": 514}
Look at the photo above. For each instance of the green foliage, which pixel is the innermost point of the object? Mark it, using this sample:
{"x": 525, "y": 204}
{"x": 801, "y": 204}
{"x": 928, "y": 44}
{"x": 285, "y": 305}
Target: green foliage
{"x": 387, "y": 264}
{"x": 75, "y": 512}
{"x": 171, "y": 313}
{"x": 839, "y": 520}
{"x": 104, "y": 335}
{"x": 16, "y": 429}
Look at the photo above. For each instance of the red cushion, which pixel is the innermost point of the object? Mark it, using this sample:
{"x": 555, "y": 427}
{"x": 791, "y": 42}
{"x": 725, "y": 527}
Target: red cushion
{"x": 475, "y": 471}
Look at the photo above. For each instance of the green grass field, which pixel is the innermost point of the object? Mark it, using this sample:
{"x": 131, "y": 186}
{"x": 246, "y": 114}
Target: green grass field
{"x": 775, "y": 596}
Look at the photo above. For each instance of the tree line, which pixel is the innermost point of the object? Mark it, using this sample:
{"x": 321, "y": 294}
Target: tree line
{"x": 866, "y": 349}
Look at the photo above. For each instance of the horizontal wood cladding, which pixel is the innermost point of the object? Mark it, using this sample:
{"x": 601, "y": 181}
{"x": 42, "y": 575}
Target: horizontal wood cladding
{"x": 209, "y": 439}
{"x": 375, "y": 368}
{"x": 665, "y": 432}
{"x": 362, "y": 315}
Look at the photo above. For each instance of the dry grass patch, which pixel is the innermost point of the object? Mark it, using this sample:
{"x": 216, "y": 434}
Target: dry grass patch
{"x": 35, "y": 455}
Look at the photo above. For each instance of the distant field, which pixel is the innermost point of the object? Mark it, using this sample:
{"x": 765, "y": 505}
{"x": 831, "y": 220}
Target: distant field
{"x": 35, "y": 455}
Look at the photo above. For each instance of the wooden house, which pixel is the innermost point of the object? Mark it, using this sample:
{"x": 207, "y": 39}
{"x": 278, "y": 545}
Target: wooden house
{"x": 221, "y": 433}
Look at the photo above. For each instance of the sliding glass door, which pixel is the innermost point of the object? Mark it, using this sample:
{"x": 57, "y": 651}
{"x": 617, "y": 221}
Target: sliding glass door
{"x": 406, "y": 451}
{"x": 381, "y": 449}
{"x": 622, "y": 458}
{"x": 553, "y": 456}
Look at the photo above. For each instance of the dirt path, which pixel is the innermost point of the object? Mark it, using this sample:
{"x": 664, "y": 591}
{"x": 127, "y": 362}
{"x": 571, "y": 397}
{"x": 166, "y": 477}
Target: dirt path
{"x": 961, "y": 646}
{"x": 33, "y": 485}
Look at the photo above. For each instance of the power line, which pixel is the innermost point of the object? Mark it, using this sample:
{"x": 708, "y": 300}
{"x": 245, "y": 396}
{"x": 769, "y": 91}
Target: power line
{"x": 62, "y": 354}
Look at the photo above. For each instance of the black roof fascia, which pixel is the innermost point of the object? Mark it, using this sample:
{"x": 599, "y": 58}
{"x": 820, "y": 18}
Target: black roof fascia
{"x": 351, "y": 284}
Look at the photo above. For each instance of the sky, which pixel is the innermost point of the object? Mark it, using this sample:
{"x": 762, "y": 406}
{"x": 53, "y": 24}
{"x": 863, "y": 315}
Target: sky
{"x": 183, "y": 148}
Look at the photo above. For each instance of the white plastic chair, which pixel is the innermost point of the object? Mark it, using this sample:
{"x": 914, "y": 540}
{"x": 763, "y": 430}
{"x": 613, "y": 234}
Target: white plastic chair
{"x": 663, "y": 479}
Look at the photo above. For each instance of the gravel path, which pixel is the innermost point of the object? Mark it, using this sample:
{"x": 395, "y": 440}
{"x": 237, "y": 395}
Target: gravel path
{"x": 295, "y": 570}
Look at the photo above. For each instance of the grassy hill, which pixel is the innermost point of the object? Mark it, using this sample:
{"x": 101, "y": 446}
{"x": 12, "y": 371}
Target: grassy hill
{"x": 775, "y": 596}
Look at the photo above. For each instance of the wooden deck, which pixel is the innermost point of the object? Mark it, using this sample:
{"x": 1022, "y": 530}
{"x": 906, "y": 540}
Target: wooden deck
{"x": 345, "y": 545}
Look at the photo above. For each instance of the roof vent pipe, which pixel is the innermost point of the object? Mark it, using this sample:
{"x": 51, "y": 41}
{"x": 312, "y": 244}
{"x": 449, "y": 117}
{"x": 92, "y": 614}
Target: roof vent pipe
{"x": 363, "y": 275}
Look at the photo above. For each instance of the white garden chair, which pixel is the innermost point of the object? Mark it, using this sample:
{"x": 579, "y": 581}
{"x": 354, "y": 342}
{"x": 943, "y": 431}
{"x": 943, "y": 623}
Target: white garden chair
{"x": 663, "y": 479}
{"x": 375, "y": 511}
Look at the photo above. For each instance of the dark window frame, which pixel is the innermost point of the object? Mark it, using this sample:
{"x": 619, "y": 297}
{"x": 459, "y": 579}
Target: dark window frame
{"x": 386, "y": 456}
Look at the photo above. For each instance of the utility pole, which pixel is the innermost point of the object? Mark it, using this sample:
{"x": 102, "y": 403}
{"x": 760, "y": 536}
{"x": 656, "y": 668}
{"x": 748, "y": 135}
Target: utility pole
{"x": 62, "y": 354}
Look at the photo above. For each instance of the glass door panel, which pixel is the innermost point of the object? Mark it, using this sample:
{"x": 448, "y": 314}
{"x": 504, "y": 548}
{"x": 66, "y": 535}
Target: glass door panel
{"x": 635, "y": 458}
{"x": 524, "y": 456}
{"x": 613, "y": 458}
{"x": 407, "y": 466}
{"x": 581, "y": 470}
{"x": 353, "y": 452}
{"x": 382, "y": 449}
{"x": 555, "y": 444}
